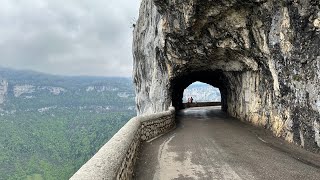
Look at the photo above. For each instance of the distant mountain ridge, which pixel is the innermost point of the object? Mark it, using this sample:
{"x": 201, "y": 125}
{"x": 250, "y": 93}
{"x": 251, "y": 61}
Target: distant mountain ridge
{"x": 28, "y": 85}
{"x": 28, "y": 77}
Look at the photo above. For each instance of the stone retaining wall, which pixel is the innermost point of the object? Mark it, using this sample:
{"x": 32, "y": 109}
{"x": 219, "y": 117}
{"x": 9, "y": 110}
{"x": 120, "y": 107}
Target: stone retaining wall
{"x": 201, "y": 104}
{"x": 116, "y": 159}
{"x": 160, "y": 125}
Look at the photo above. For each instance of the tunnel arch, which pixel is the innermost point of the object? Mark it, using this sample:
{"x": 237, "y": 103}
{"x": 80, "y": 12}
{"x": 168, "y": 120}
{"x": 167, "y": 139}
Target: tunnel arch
{"x": 215, "y": 78}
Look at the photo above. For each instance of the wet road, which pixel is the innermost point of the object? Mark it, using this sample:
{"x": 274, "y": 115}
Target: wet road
{"x": 207, "y": 144}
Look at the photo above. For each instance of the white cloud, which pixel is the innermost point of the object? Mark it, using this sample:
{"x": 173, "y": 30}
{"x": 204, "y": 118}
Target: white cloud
{"x": 73, "y": 37}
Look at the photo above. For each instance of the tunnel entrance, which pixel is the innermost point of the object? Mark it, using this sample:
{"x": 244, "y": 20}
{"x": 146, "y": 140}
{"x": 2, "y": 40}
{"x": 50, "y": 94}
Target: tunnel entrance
{"x": 214, "y": 79}
{"x": 202, "y": 94}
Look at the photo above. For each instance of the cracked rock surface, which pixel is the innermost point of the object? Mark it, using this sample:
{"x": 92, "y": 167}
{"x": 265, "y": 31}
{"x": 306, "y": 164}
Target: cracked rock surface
{"x": 263, "y": 55}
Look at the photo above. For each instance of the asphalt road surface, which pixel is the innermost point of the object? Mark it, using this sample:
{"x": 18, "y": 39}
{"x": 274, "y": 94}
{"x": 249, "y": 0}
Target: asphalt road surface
{"x": 207, "y": 144}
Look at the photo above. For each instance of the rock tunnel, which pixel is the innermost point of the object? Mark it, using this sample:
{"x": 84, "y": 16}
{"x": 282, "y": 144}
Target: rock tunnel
{"x": 213, "y": 78}
{"x": 264, "y": 56}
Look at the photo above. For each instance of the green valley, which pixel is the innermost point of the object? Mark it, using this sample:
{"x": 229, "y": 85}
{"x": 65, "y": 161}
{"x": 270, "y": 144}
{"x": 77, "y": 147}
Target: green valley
{"x": 51, "y": 125}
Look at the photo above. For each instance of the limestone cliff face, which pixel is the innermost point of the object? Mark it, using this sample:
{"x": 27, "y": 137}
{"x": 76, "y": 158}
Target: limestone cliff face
{"x": 3, "y": 90}
{"x": 264, "y": 56}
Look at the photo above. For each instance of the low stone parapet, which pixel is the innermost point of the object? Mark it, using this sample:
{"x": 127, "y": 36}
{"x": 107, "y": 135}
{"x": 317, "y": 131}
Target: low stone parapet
{"x": 116, "y": 159}
{"x": 201, "y": 104}
{"x": 154, "y": 125}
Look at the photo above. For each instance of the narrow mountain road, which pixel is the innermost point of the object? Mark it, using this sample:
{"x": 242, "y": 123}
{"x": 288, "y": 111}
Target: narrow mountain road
{"x": 207, "y": 144}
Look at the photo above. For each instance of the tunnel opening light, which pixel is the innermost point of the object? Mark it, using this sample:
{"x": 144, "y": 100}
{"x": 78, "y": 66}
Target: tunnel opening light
{"x": 201, "y": 93}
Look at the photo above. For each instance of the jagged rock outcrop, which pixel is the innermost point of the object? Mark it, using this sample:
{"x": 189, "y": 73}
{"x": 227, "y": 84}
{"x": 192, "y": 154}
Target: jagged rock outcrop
{"x": 3, "y": 90}
{"x": 19, "y": 90}
{"x": 263, "y": 55}
{"x": 53, "y": 90}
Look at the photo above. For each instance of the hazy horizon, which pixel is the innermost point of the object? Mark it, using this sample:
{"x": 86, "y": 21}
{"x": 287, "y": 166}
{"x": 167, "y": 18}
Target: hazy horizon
{"x": 52, "y": 74}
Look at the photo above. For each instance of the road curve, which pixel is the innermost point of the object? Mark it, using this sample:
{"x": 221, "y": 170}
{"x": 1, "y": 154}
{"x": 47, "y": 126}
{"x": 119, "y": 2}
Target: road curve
{"x": 207, "y": 144}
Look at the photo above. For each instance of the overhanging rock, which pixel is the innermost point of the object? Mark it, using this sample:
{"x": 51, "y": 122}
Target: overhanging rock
{"x": 264, "y": 56}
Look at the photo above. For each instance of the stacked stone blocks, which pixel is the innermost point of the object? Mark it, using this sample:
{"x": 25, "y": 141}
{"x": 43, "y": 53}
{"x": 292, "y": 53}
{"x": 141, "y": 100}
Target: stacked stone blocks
{"x": 116, "y": 159}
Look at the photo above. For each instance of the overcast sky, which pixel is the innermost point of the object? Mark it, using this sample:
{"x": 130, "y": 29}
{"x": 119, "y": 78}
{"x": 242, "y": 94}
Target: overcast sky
{"x": 68, "y": 37}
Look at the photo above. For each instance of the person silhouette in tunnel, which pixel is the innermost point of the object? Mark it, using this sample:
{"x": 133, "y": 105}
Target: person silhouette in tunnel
{"x": 191, "y": 100}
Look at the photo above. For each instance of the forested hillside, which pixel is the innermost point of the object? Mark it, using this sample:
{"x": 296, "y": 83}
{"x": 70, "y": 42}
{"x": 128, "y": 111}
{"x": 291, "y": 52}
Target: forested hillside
{"x": 51, "y": 125}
